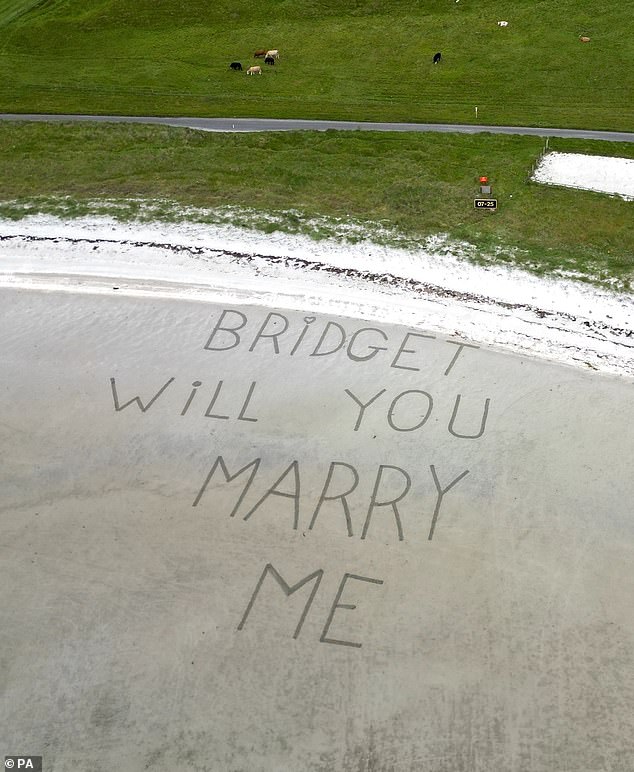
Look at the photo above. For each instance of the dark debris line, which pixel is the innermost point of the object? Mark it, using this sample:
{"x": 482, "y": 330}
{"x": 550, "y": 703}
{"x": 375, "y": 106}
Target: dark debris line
{"x": 381, "y": 279}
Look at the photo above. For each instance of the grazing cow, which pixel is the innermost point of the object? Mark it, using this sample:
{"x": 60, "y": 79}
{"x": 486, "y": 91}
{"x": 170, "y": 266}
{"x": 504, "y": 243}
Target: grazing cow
{"x": 259, "y": 53}
{"x": 254, "y": 70}
{"x": 274, "y": 53}
{"x": 269, "y": 60}
{"x": 235, "y": 66}
{"x": 437, "y": 57}
{"x": 503, "y": 24}
{"x": 584, "y": 39}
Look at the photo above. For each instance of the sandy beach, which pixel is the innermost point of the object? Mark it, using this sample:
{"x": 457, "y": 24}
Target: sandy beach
{"x": 433, "y": 287}
{"x": 262, "y": 516}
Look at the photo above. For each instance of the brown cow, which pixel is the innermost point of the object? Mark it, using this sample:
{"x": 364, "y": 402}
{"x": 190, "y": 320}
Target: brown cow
{"x": 257, "y": 70}
{"x": 259, "y": 53}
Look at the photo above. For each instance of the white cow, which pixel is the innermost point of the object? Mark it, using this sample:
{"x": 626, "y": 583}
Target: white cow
{"x": 257, "y": 70}
{"x": 274, "y": 53}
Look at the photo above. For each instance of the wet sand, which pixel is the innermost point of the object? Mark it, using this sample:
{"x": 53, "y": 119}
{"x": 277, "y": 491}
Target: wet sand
{"x": 430, "y": 284}
{"x": 243, "y": 538}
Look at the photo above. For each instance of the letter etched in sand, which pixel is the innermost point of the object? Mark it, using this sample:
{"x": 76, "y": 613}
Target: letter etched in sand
{"x": 362, "y": 405}
{"x": 374, "y": 350}
{"x": 242, "y": 415}
{"x": 308, "y": 320}
{"x": 231, "y": 330}
{"x": 390, "y": 502}
{"x": 273, "y": 333}
{"x": 143, "y": 408}
{"x": 402, "y": 350}
{"x": 441, "y": 493}
{"x": 272, "y": 491}
{"x": 219, "y": 462}
{"x": 288, "y": 590}
{"x": 461, "y": 346}
{"x": 425, "y": 411}
{"x": 482, "y": 422}
{"x": 196, "y": 385}
{"x": 341, "y": 334}
{"x": 348, "y": 606}
{"x": 331, "y": 497}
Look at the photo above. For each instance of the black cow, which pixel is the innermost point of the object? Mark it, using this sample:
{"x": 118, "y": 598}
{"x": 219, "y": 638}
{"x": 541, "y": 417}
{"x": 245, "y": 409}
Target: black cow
{"x": 437, "y": 58}
{"x": 235, "y": 66}
{"x": 269, "y": 60}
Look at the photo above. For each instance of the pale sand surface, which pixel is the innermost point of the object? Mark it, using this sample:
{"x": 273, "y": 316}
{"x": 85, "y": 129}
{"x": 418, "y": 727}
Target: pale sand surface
{"x": 602, "y": 174}
{"x": 506, "y": 642}
{"x": 432, "y": 287}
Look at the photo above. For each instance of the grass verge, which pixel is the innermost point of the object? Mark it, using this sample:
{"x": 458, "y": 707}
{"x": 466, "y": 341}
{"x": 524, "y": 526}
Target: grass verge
{"x": 396, "y": 188}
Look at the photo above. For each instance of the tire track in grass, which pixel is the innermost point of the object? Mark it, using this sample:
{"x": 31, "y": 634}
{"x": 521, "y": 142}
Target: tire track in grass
{"x": 11, "y": 9}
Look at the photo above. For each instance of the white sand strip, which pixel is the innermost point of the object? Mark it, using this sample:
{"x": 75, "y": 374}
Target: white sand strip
{"x": 588, "y": 172}
{"x": 561, "y": 320}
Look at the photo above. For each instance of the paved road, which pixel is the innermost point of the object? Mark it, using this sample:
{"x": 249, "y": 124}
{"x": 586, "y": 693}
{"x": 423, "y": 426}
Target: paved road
{"x": 267, "y": 124}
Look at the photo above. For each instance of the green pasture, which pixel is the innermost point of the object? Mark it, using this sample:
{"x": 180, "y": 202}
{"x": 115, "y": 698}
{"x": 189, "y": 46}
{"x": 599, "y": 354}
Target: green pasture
{"x": 11, "y": 9}
{"x": 413, "y": 185}
{"x": 340, "y": 59}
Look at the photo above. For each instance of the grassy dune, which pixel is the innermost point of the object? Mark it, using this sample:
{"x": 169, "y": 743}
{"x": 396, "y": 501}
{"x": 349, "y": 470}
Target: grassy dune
{"x": 417, "y": 185}
{"x": 349, "y": 60}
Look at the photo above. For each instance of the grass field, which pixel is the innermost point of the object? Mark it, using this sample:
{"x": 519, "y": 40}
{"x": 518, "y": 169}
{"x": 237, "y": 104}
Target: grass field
{"x": 414, "y": 185}
{"x": 343, "y": 59}
{"x": 350, "y": 60}
{"x": 11, "y": 9}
